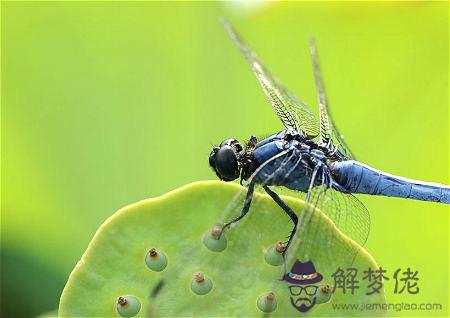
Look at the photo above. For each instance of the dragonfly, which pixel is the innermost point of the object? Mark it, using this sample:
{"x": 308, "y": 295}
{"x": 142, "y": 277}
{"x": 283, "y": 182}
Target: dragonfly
{"x": 309, "y": 156}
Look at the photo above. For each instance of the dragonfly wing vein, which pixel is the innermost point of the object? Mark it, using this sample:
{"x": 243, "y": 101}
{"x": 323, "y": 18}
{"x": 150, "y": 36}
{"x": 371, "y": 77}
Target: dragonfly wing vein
{"x": 293, "y": 113}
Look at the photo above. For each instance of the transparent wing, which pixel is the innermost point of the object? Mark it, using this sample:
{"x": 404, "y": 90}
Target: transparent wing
{"x": 328, "y": 133}
{"x": 235, "y": 204}
{"x": 293, "y": 113}
{"x": 314, "y": 240}
{"x": 348, "y": 214}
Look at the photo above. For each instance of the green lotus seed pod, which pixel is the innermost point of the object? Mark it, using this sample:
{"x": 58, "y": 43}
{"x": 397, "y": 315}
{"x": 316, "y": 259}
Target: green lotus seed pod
{"x": 267, "y": 302}
{"x": 156, "y": 260}
{"x": 214, "y": 241}
{"x": 323, "y": 294}
{"x": 128, "y": 306}
{"x": 200, "y": 284}
{"x": 274, "y": 254}
{"x": 112, "y": 265}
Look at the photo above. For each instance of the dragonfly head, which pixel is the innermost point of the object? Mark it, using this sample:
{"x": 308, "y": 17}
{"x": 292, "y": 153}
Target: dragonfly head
{"x": 225, "y": 160}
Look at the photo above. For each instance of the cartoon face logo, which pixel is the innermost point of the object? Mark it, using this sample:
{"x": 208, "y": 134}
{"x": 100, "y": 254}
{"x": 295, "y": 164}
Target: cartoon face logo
{"x": 305, "y": 302}
{"x": 305, "y": 292}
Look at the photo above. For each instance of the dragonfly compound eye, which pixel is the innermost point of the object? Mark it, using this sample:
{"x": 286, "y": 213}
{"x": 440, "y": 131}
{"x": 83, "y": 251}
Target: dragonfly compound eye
{"x": 212, "y": 157}
{"x": 226, "y": 163}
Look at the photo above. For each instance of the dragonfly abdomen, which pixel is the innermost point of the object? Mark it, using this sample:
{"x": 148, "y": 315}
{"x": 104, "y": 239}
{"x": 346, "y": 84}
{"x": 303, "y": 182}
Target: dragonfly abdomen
{"x": 357, "y": 177}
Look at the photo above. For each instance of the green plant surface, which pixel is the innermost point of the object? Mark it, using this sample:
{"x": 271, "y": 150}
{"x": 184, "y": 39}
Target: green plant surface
{"x": 175, "y": 224}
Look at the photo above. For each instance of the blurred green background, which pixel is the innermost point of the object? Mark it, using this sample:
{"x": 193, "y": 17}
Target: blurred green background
{"x": 108, "y": 103}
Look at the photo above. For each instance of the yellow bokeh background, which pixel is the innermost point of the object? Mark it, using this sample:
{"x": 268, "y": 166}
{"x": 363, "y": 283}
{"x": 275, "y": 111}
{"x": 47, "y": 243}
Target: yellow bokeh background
{"x": 108, "y": 103}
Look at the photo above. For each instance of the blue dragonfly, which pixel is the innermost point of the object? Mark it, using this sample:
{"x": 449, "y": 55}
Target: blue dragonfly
{"x": 311, "y": 157}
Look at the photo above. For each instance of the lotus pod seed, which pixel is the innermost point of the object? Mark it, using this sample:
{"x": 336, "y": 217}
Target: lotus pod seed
{"x": 214, "y": 240}
{"x": 201, "y": 284}
{"x": 156, "y": 260}
{"x": 274, "y": 254}
{"x": 323, "y": 294}
{"x": 267, "y": 302}
{"x": 128, "y": 306}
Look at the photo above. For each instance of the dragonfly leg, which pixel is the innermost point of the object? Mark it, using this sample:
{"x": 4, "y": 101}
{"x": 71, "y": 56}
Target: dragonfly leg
{"x": 286, "y": 209}
{"x": 245, "y": 208}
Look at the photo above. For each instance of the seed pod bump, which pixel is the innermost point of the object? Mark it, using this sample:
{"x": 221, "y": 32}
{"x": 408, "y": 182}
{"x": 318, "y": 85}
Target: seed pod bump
{"x": 214, "y": 240}
{"x": 156, "y": 260}
{"x": 201, "y": 284}
{"x": 323, "y": 294}
{"x": 267, "y": 302}
{"x": 128, "y": 306}
{"x": 274, "y": 254}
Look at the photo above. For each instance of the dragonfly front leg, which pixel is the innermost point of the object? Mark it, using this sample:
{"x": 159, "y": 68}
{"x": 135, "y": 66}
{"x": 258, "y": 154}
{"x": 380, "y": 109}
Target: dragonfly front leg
{"x": 288, "y": 211}
{"x": 245, "y": 208}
